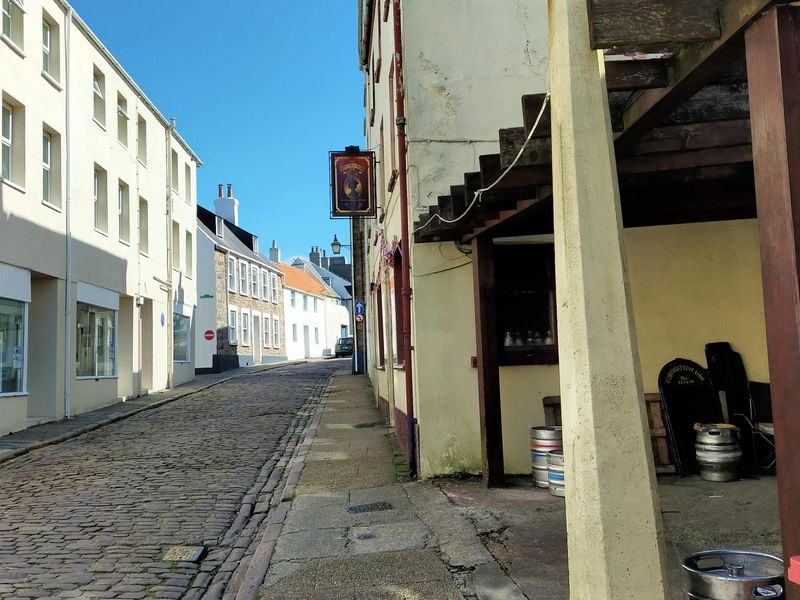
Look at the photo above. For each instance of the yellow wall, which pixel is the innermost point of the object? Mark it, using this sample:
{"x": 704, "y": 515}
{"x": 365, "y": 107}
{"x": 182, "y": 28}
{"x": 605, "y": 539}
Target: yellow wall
{"x": 694, "y": 284}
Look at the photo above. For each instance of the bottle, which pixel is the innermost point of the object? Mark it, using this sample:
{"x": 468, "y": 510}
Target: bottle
{"x": 548, "y": 339}
{"x": 518, "y": 341}
{"x": 529, "y": 339}
{"x": 537, "y": 339}
{"x": 507, "y": 341}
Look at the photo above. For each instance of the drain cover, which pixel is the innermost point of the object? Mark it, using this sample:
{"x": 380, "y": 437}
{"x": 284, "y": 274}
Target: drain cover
{"x": 365, "y": 536}
{"x": 367, "y": 425}
{"x": 184, "y": 553}
{"x": 372, "y": 507}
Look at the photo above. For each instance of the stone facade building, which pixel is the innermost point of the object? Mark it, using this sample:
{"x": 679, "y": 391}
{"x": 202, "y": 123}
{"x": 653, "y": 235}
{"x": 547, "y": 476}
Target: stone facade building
{"x": 241, "y": 313}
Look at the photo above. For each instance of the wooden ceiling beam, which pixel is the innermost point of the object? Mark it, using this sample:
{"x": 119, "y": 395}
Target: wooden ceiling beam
{"x": 692, "y": 67}
{"x": 684, "y": 159}
{"x": 632, "y": 23}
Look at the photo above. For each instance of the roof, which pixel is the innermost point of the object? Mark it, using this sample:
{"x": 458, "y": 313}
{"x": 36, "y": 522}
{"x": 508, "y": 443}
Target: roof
{"x": 338, "y": 284}
{"x": 298, "y": 279}
{"x": 231, "y": 237}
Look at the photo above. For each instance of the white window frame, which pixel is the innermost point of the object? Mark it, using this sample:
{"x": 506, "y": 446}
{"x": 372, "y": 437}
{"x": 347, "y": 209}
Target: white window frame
{"x": 124, "y": 206}
{"x": 7, "y": 138}
{"x": 274, "y": 288}
{"x": 244, "y": 269}
{"x": 189, "y": 348}
{"x": 292, "y": 298}
{"x": 305, "y": 302}
{"x": 96, "y": 198}
{"x": 7, "y": 27}
{"x": 276, "y": 333}
{"x": 316, "y": 335}
{"x": 231, "y": 274}
{"x": 254, "y": 281}
{"x": 267, "y": 331}
{"x": 246, "y": 331}
{"x": 316, "y": 305}
{"x": 233, "y": 327}
{"x": 115, "y": 350}
{"x": 265, "y": 285}
{"x": 47, "y": 166}
{"x": 47, "y": 45}
{"x": 294, "y": 332}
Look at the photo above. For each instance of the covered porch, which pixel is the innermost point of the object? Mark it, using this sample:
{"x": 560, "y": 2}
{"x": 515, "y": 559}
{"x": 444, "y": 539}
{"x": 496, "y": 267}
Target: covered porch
{"x": 688, "y": 121}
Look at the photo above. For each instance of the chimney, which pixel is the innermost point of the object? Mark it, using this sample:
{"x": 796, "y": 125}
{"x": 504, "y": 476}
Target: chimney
{"x": 227, "y": 207}
{"x": 275, "y": 253}
{"x": 324, "y": 260}
{"x": 313, "y": 256}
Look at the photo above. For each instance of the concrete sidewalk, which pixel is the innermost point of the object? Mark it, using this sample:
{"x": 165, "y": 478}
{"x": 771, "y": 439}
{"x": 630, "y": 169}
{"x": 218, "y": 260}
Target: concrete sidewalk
{"x": 356, "y": 531}
{"x": 21, "y": 442}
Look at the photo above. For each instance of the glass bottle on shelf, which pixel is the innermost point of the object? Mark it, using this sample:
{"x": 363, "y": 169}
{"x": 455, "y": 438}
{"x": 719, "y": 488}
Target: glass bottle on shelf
{"x": 518, "y": 341}
{"x": 529, "y": 340}
{"x": 537, "y": 339}
{"x": 548, "y": 339}
{"x": 507, "y": 340}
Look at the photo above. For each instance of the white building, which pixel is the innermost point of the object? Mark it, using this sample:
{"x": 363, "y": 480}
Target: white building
{"x": 97, "y": 225}
{"x": 315, "y": 316}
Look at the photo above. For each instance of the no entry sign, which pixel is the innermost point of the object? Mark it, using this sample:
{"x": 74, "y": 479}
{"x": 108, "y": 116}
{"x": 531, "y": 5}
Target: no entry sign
{"x": 209, "y": 334}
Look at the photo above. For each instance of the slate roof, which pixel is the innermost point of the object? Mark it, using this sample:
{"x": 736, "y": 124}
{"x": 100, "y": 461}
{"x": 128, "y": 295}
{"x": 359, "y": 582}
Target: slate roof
{"x": 339, "y": 285}
{"x": 232, "y": 237}
{"x": 298, "y": 279}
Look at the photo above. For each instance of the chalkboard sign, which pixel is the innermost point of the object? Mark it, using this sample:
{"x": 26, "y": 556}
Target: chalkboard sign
{"x": 687, "y": 397}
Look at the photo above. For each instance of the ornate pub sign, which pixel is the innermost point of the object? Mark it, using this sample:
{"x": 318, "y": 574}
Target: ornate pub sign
{"x": 352, "y": 183}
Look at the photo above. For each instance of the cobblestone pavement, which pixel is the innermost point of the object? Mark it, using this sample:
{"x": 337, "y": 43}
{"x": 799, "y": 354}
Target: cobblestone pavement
{"x": 92, "y": 517}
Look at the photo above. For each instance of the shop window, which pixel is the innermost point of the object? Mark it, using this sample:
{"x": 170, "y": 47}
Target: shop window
{"x": 276, "y": 333}
{"x": 100, "y": 199}
{"x": 144, "y": 226}
{"x": 141, "y": 140}
{"x": 96, "y": 341}
{"x": 233, "y": 338}
{"x": 99, "y": 92}
{"x": 180, "y": 338}
{"x": 13, "y": 28}
{"x": 525, "y": 304}
{"x": 254, "y": 282}
{"x": 12, "y": 346}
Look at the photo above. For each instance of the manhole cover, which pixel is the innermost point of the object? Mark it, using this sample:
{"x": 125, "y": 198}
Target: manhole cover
{"x": 365, "y": 536}
{"x": 372, "y": 507}
{"x": 366, "y": 425}
{"x": 184, "y": 553}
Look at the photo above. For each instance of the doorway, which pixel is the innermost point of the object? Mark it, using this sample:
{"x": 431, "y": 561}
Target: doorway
{"x": 306, "y": 343}
{"x": 258, "y": 345}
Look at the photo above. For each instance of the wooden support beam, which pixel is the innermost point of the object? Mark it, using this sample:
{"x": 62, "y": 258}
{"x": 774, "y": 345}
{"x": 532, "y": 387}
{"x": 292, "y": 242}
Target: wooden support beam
{"x": 632, "y": 75}
{"x": 538, "y": 151}
{"x": 694, "y": 136}
{"x": 773, "y": 69}
{"x": 685, "y": 159}
{"x": 692, "y": 68}
{"x": 488, "y": 365}
{"x": 631, "y": 23}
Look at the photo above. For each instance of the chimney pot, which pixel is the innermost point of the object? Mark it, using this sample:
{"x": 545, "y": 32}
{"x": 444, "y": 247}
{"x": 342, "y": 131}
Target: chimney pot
{"x": 230, "y": 190}
{"x": 219, "y": 191}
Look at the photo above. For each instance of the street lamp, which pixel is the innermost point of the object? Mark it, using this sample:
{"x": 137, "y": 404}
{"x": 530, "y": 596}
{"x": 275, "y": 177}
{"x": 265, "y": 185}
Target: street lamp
{"x": 336, "y": 245}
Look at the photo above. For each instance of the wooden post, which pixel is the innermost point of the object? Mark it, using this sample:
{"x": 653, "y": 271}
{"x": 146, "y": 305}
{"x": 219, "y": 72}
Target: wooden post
{"x": 613, "y": 516}
{"x": 773, "y": 73}
{"x": 488, "y": 368}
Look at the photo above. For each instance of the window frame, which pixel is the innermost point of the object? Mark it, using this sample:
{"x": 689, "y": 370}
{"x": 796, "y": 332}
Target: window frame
{"x": 233, "y": 340}
{"x": 293, "y": 298}
{"x": 246, "y": 329}
{"x": 266, "y": 334}
{"x": 243, "y": 282}
{"x": 25, "y": 351}
{"x": 47, "y": 46}
{"x": 232, "y": 274}
{"x": 265, "y": 285}
{"x": 114, "y": 350}
{"x": 275, "y": 298}
{"x": 189, "y": 254}
{"x": 254, "y": 281}
{"x": 124, "y": 212}
{"x": 380, "y": 326}
{"x": 175, "y": 319}
{"x": 143, "y": 225}
{"x": 47, "y": 166}
{"x": 7, "y": 138}
{"x": 276, "y": 333}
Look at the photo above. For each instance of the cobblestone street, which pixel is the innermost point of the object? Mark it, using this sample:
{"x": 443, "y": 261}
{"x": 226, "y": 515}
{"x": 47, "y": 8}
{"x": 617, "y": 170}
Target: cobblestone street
{"x": 92, "y": 517}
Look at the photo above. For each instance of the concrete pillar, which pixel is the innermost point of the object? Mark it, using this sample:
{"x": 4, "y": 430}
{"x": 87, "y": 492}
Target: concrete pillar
{"x": 613, "y": 517}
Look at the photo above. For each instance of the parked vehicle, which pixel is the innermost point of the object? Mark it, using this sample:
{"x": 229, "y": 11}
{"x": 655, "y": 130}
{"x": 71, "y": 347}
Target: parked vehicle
{"x": 344, "y": 347}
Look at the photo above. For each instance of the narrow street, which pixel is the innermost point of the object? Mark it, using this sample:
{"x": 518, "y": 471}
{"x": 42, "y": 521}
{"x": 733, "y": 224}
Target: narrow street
{"x": 93, "y": 517}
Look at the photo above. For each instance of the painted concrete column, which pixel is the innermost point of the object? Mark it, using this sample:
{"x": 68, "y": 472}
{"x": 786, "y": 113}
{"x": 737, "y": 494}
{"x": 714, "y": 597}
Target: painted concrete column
{"x": 613, "y": 517}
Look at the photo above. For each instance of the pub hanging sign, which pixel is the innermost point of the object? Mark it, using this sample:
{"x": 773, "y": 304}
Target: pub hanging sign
{"x": 352, "y": 183}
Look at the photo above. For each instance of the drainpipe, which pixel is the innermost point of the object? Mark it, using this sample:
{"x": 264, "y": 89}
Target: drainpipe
{"x": 400, "y": 122}
{"x": 170, "y": 250}
{"x": 69, "y": 364}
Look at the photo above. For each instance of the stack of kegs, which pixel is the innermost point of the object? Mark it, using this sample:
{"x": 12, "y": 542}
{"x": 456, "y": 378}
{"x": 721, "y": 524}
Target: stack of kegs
{"x": 546, "y": 454}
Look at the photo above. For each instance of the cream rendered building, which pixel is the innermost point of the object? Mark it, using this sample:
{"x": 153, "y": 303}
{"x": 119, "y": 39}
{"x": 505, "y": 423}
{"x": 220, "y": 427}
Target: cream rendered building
{"x": 97, "y": 226}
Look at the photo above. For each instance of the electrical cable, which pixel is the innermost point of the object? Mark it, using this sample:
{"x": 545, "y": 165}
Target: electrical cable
{"x": 479, "y": 193}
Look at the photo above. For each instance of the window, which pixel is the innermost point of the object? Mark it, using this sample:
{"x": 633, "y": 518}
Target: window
{"x": 264, "y": 285}
{"x": 47, "y": 158}
{"x": 276, "y": 335}
{"x": 122, "y": 119}
{"x": 13, "y": 141}
{"x": 292, "y": 298}
{"x": 180, "y": 338}
{"x": 100, "y": 199}
{"x": 189, "y": 251}
{"x": 7, "y": 140}
{"x": 305, "y": 302}
{"x": 99, "y": 90}
{"x": 315, "y": 305}
{"x": 316, "y": 335}
{"x": 144, "y": 226}
{"x": 175, "y": 175}
{"x": 96, "y": 341}
{"x": 141, "y": 140}
{"x": 176, "y": 246}
{"x": 245, "y": 328}
{"x": 232, "y": 337}
{"x": 124, "y": 212}
{"x": 12, "y": 22}
{"x": 267, "y": 339}
{"x": 187, "y": 184}
{"x": 231, "y": 274}
{"x": 219, "y": 227}
{"x": 397, "y": 306}
{"x": 47, "y": 36}
{"x": 254, "y": 282}
{"x": 380, "y": 326}
{"x": 275, "y": 288}
{"x": 51, "y": 55}
{"x": 243, "y": 277}
{"x": 12, "y": 346}
{"x": 294, "y": 332}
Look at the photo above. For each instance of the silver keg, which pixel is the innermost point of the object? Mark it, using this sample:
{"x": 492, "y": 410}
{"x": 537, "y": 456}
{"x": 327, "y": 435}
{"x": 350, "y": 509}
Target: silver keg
{"x": 543, "y": 440}
{"x": 555, "y": 473}
{"x": 718, "y": 452}
{"x": 733, "y": 575}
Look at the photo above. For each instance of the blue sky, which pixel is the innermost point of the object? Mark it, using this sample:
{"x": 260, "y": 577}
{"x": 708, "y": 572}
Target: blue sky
{"x": 261, "y": 90}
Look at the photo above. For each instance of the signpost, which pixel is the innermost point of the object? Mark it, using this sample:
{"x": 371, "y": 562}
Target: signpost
{"x": 359, "y": 308}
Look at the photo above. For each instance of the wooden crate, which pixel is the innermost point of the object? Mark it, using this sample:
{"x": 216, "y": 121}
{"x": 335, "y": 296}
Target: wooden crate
{"x": 658, "y": 433}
